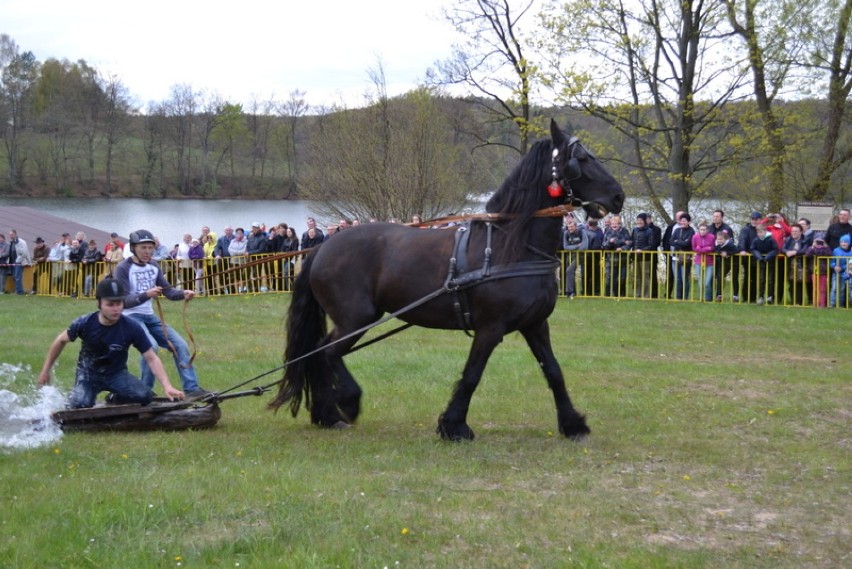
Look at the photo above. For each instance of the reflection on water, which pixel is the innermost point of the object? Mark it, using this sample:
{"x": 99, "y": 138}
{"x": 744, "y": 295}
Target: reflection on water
{"x": 169, "y": 219}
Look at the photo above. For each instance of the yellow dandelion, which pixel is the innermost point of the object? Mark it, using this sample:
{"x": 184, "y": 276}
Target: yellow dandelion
{"x": 405, "y": 531}
{"x": 770, "y": 412}
{"x": 56, "y": 451}
{"x": 687, "y": 477}
{"x": 178, "y": 558}
{"x": 124, "y": 457}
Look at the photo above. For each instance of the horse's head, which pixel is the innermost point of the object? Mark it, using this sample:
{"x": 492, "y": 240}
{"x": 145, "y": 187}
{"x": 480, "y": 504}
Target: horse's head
{"x": 579, "y": 179}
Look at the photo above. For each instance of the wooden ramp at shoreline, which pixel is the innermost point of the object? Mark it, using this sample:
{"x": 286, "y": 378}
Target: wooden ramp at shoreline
{"x": 31, "y": 223}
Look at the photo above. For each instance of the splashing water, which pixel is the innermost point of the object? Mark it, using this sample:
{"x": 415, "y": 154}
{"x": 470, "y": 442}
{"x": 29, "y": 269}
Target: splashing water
{"x": 25, "y": 421}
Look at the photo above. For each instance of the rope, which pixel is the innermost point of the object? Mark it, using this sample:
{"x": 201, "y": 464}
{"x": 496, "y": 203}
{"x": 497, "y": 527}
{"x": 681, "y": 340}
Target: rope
{"x": 454, "y": 284}
{"x": 171, "y": 346}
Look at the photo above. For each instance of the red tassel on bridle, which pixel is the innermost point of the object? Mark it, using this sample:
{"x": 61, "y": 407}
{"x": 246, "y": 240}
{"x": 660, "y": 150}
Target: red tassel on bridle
{"x": 555, "y": 190}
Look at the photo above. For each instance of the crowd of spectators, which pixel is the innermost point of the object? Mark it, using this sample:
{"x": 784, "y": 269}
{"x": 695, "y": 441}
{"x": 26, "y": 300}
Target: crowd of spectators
{"x": 206, "y": 263}
{"x": 770, "y": 260}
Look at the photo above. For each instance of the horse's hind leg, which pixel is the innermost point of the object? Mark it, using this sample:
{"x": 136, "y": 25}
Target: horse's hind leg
{"x": 452, "y": 424}
{"x": 571, "y": 423}
{"x": 348, "y": 390}
{"x": 323, "y": 404}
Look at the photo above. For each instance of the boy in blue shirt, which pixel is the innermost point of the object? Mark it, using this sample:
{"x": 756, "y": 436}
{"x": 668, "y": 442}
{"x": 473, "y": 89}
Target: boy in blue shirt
{"x": 102, "y": 364}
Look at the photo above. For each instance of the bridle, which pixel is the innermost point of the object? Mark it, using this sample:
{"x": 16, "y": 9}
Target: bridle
{"x": 560, "y": 185}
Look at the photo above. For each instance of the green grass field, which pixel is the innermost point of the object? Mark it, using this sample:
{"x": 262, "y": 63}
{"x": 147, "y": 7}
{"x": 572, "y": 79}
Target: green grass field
{"x": 720, "y": 438}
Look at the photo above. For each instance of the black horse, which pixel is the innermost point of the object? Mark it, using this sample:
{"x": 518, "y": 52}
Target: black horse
{"x": 367, "y": 271}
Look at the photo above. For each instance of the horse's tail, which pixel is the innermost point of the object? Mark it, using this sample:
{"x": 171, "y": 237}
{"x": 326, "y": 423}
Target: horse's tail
{"x": 305, "y": 329}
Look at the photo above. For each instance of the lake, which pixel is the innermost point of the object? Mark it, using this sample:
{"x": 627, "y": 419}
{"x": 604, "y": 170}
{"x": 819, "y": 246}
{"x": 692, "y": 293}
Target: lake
{"x": 169, "y": 219}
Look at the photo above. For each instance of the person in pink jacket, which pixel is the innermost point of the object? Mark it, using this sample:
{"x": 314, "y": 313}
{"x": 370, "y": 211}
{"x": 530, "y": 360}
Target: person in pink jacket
{"x": 704, "y": 245}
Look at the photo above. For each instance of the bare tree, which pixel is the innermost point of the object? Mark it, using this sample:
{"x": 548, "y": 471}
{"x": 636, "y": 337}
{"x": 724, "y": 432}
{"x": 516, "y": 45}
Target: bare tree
{"x": 114, "y": 122}
{"x": 391, "y": 159}
{"x": 259, "y": 118}
{"x": 492, "y": 64}
{"x": 292, "y": 111}
{"x": 181, "y": 109}
{"x": 153, "y": 172}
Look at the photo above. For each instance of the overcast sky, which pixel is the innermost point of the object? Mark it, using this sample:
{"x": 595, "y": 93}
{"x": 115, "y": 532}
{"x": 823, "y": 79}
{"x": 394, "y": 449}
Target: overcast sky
{"x": 239, "y": 49}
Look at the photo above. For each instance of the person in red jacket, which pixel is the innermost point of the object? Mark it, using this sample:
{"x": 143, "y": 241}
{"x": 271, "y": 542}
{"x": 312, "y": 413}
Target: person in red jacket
{"x": 778, "y": 228}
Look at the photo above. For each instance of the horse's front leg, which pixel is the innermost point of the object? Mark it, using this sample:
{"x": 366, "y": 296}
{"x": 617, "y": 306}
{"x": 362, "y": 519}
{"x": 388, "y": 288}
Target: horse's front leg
{"x": 571, "y": 423}
{"x": 452, "y": 424}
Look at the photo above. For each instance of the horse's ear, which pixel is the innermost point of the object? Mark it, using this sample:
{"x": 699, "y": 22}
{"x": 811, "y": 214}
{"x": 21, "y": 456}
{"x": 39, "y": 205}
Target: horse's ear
{"x": 556, "y": 134}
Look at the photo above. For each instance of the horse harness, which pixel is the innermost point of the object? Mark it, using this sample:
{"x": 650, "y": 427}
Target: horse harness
{"x": 459, "y": 278}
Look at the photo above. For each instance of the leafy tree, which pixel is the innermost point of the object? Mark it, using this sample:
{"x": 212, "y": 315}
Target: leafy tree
{"x": 230, "y": 134}
{"x": 18, "y": 74}
{"x": 782, "y": 38}
{"x": 67, "y": 102}
{"x": 833, "y": 57}
{"x": 659, "y": 72}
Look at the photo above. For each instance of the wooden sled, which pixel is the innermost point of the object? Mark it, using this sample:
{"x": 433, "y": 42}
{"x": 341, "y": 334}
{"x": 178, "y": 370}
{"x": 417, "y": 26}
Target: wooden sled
{"x": 160, "y": 415}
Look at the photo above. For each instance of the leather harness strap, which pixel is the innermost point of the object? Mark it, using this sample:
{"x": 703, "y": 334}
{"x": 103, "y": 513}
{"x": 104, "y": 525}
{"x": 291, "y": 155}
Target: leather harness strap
{"x": 459, "y": 279}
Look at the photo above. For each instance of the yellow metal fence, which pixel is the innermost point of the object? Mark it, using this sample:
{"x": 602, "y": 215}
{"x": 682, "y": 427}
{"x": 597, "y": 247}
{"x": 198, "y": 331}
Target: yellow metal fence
{"x": 797, "y": 281}
{"x": 207, "y": 277}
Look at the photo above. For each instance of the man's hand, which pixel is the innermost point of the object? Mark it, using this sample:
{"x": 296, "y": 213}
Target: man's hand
{"x": 173, "y": 394}
{"x": 154, "y": 292}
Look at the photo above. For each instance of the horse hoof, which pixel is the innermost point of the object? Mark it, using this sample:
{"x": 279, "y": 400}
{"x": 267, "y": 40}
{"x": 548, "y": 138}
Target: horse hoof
{"x": 456, "y": 434}
{"x": 341, "y": 425}
{"x": 575, "y": 428}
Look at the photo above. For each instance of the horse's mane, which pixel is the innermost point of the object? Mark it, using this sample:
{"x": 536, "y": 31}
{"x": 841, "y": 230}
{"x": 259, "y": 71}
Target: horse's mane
{"x": 521, "y": 194}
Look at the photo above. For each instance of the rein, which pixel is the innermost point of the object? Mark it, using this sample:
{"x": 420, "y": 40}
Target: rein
{"x": 171, "y": 346}
{"x": 456, "y": 282}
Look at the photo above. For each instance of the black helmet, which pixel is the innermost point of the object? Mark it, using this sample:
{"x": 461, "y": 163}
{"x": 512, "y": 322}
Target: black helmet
{"x": 141, "y": 236}
{"x": 109, "y": 289}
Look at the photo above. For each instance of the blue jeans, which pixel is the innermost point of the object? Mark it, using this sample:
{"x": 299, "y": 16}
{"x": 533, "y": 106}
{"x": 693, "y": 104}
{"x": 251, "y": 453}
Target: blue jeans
{"x": 704, "y": 276}
{"x": 126, "y": 387}
{"x": 154, "y": 328}
{"x": 683, "y": 278}
{"x": 839, "y": 295}
{"x": 18, "y": 274}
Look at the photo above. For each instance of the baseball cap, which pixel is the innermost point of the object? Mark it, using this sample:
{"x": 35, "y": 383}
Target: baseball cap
{"x": 756, "y": 215}
{"x": 256, "y": 224}
{"x": 39, "y": 240}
